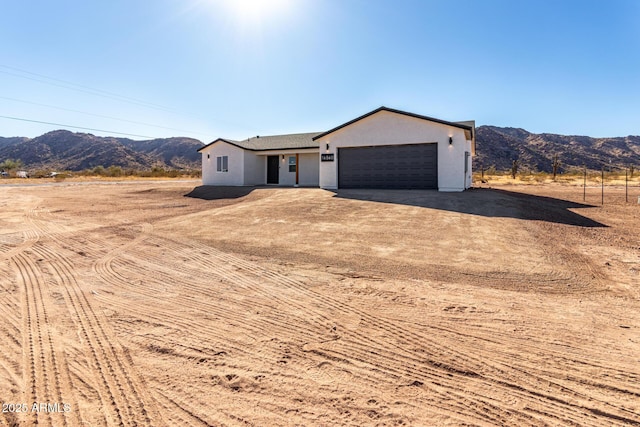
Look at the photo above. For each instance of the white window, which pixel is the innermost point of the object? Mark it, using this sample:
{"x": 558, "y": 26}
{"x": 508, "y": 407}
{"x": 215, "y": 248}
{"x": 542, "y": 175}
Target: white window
{"x": 292, "y": 163}
{"x": 222, "y": 163}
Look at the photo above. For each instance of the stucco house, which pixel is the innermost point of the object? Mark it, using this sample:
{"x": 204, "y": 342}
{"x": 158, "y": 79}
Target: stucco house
{"x": 385, "y": 148}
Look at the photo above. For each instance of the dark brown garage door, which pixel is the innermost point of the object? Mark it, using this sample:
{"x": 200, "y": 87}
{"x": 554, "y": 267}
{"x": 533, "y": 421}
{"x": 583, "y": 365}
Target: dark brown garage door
{"x": 389, "y": 166}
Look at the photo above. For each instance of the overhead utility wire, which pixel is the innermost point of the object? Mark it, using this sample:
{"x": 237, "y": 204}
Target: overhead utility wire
{"x": 86, "y": 89}
{"x": 76, "y": 127}
{"x": 100, "y": 115}
{"x": 99, "y": 92}
{"x": 92, "y": 92}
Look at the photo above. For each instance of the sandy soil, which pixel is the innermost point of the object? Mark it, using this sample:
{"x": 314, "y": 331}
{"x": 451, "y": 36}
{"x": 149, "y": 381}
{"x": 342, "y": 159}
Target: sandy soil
{"x": 147, "y": 303}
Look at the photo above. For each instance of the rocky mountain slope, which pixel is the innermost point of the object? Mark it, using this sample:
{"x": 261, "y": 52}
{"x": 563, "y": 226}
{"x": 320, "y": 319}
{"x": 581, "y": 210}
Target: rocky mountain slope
{"x": 64, "y": 150}
{"x": 499, "y": 147}
{"x": 496, "y": 147}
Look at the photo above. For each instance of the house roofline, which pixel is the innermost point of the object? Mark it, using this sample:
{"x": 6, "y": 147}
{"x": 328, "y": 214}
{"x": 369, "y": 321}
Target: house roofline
{"x": 392, "y": 110}
{"x": 218, "y": 140}
{"x": 235, "y": 144}
{"x": 350, "y": 122}
{"x": 283, "y": 148}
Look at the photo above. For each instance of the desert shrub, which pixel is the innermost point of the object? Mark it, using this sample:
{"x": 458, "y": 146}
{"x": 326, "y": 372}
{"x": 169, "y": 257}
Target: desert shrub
{"x": 41, "y": 173}
{"x": 11, "y": 164}
{"x": 157, "y": 171}
{"x": 117, "y": 171}
{"x": 114, "y": 171}
{"x": 62, "y": 176}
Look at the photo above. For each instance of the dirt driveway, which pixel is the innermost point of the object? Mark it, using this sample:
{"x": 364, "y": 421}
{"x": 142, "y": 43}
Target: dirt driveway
{"x": 165, "y": 304}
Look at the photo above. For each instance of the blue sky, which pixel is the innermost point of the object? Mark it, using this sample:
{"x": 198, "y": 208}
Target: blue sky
{"x": 236, "y": 68}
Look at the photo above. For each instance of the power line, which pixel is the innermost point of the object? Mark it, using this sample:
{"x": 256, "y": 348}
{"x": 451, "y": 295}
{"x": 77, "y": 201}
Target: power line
{"x": 82, "y": 88}
{"x": 76, "y": 127}
{"x": 105, "y": 94}
{"x": 93, "y": 92}
{"x": 99, "y": 115}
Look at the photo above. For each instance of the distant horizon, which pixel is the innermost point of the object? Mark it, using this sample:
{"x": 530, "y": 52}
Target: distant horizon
{"x": 264, "y": 134}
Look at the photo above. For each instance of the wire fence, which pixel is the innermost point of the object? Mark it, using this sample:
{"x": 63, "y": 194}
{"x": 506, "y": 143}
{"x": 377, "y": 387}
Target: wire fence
{"x": 611, "y": 185}
{"x": 608, "y": 185}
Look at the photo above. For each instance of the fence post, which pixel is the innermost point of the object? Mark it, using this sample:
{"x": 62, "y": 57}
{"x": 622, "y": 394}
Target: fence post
{"x": 584, "y": 186}
{"x": 602, "y": 201}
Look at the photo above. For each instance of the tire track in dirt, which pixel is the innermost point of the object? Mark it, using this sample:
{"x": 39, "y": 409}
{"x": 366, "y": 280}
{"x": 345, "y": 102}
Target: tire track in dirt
{"x": 10, "y": 311}
{"x": 123, "y": 281}
{"x": 502, "y": 371}
{"x": 194, "y": 304}
{"x": 355, "y": 349}
{"x": 11, "y": 356}
{"x": 12, "y": 305}
{"x": 41, "y": 227}
{"x": 365, "y": 374}
{"x": 187, "y": 416}
{"x": 10, "y": 241}
{"x": 456, "y": 370}
{"x": 556, "y": 363}
{"x": 437, "y": 366}
{"x": 29, "y": 239}
{"x": 194, "y": 296}
{"x": 10, "y": 329}
{"x": 118, "y": 388}
{"x": 552, "y": 237}
{"x": 44, "y": 372}
{"x": 153, "y": 276}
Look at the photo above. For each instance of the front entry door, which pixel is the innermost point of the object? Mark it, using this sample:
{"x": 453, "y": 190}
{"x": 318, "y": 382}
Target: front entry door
{"x": 273, "y": 170}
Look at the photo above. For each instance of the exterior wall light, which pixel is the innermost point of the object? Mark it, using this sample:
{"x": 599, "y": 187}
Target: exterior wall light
{"x": 450, "y": 140}
{"x": 327, "y": 146}
{"x": 283, "y": 157}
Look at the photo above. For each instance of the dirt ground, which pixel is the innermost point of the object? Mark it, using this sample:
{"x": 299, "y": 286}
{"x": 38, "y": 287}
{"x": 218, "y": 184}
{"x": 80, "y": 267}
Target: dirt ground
{"x": 149, "y": 303}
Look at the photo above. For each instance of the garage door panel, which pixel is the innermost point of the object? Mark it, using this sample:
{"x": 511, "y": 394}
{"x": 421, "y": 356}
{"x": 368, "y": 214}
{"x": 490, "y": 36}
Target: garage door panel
{"x": 389, "y": 166}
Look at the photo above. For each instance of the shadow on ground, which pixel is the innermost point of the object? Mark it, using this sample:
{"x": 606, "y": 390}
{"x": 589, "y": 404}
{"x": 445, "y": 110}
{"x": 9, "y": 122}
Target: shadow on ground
{"x": 210, "y": 192}
{"x": 483, "y": 202}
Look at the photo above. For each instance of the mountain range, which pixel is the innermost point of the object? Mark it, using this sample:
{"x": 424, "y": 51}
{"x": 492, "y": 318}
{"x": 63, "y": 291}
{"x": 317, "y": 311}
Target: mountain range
{"x": 496, "y": 147}
{"x": 64, "y": 150}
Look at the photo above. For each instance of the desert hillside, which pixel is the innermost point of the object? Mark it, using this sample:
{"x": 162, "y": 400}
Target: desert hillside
{"x": 64, "y": 150}
{"x": 499, "y": 147}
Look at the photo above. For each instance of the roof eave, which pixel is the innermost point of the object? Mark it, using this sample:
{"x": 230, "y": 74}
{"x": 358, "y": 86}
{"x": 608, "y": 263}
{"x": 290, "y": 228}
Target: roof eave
{"x": 216, "y": 141}
{"x": 316, "y": 147}
{"x": 391, "y": 110}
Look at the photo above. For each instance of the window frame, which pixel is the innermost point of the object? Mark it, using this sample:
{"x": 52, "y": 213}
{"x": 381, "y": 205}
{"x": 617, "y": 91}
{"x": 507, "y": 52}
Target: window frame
{"x": 292, "y": 162}
{"x": 222, "y": 164}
